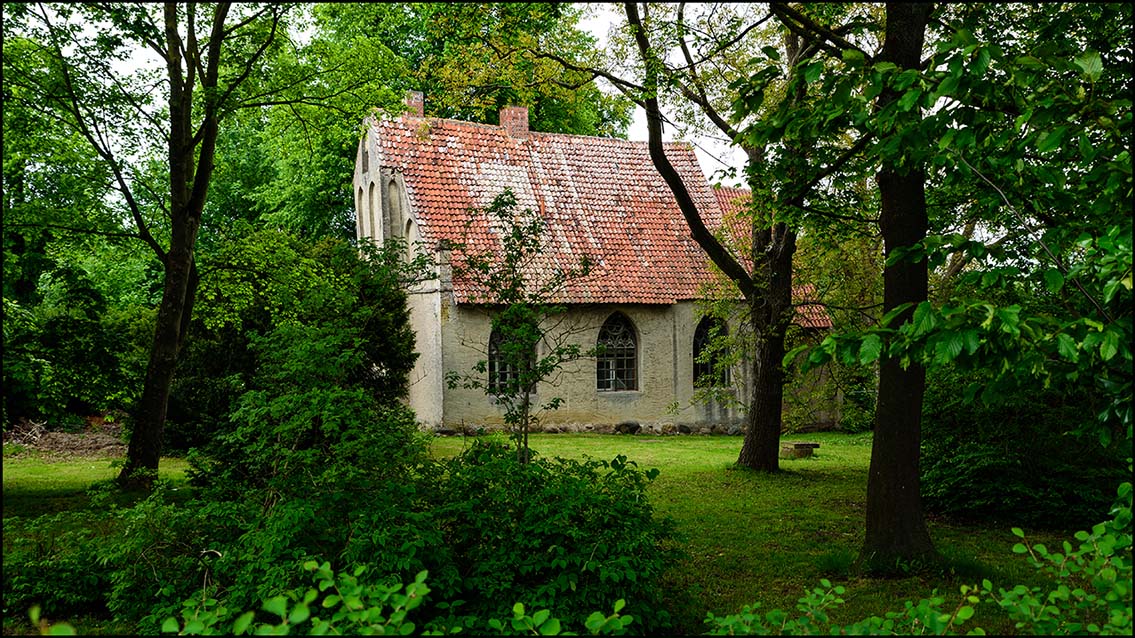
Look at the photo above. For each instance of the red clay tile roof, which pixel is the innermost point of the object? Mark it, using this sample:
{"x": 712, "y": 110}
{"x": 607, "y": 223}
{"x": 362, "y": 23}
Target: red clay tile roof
{"x": 598, "y": 196}
{"x": 733, "y": 202}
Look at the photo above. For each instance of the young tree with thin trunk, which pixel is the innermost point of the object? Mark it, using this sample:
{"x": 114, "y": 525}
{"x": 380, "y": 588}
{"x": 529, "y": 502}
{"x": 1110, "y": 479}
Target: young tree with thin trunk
{"x": 208, "y": 54}
{"x": 520, "y": 292}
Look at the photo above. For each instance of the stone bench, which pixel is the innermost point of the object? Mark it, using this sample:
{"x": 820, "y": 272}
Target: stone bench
{"x": 797, "y": 449}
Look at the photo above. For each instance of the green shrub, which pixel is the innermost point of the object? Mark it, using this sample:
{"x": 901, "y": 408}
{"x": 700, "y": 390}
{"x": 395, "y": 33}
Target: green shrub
{"x": 345, "y": 304}
{"x": 566, "y": 535}
{"x": 74, "y": 354}
{"x": 1015, "y": 461}
{"x": 53, "y": 562}
{"x": 340, "y": 604}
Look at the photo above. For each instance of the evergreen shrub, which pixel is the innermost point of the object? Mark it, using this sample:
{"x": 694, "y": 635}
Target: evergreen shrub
{"x": 1015, "y": 461}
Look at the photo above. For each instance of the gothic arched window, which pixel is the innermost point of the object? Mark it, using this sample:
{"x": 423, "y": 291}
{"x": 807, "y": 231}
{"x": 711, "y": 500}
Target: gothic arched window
{"x": 707, "y": 372}
{"x": 616, "y": 363}
{"x": 505, "y": 365}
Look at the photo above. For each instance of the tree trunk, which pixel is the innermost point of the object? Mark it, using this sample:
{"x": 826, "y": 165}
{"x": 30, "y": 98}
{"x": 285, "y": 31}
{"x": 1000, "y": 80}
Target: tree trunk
{"x": 145, "y": 448}
{"x": 761, "y": 447}
{"x": 896, "y": 530}
{"x": 767, "y": 289}
{"x": 191, "y": 161}
{"x": 770, "y": 314}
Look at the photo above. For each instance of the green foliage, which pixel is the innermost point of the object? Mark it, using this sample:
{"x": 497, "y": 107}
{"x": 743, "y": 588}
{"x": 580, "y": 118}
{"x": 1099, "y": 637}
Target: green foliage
{"x": 1015, "y": 460}
{"x": 1044, "y": 166}
{"x": 561, "y": 534}
{"x": 51, "y": 561}
{"x": 340, "y": 604}
{"x": 1092, "y": 592}
{"x": 75, "y": 352}
{"x": 584, "y": 533}
{"x": 276, "y": 315}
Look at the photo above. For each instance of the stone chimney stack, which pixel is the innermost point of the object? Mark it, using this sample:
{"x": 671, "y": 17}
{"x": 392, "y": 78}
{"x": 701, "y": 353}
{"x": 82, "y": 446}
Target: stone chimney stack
{"x": 514, "y": 119}
{"x": 415, "y": 104}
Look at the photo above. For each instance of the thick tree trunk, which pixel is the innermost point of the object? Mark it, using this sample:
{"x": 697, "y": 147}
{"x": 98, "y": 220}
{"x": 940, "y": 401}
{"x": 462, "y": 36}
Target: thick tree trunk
{"x": 770, "y": 314}
{"x": 896, "y": 529}
{"x": 191, "y": 161}
{"x": 761, "y": 447}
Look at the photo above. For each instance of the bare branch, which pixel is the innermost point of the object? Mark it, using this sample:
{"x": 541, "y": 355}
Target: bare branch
{"x": 810, "y": 30}
{"x": 699, "y": 97}
{"x": 218, "y": 35}
{"x": 690, "y": 64}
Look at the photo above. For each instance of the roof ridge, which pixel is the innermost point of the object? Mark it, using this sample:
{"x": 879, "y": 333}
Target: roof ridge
{"x": 484, "y": 125}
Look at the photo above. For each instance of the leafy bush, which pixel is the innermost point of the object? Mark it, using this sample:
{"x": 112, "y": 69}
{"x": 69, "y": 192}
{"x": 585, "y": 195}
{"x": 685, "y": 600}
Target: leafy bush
{"x": 1014, "y": 461}
{"x": 346, "y": 303}
{"x": 352, "y": 607}
{"x": 73, "y": 354}
{"x": 164, "y": 552}
{"x": 567, "y": 535}
{"x": 52, "y": 561}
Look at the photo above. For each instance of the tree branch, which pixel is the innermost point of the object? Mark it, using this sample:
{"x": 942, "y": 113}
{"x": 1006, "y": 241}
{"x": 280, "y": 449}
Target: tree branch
{"x": 830, "y": 169}
{"x": 76, "y": 229}
{"x": 700, "y": 97}
{"x": 718, "y": 253}
{"x": 70, "y": 103}
{"x": 1040, "y": 240}
{"x": 810, "y": 30}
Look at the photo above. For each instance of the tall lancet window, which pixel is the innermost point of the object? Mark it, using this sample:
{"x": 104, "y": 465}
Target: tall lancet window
{"x": 707, "y": 371}
{"x": 616, "y": 363}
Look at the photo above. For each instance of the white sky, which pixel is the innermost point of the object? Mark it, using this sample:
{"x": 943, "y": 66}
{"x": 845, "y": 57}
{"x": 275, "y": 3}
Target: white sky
{"x": 712, "y": 153}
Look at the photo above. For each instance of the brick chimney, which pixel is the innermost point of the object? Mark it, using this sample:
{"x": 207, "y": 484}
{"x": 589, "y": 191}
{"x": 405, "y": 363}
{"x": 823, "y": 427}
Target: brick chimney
{"x": 514, "y": 119}
{"x": 415, "y": 104}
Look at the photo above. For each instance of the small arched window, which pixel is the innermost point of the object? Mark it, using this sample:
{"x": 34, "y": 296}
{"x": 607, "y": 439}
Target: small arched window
{"x": 616, "y": 363}
{"x": 507, "y": 362}
{"x": 392, "y": 212}
{"x": 360, "y": 215}
{"x": 410, "y": 246}
{"x": 707, "y": 371}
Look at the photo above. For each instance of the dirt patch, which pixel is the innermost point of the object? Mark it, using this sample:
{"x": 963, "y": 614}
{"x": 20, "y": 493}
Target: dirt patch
{"x": 100, "y": 438}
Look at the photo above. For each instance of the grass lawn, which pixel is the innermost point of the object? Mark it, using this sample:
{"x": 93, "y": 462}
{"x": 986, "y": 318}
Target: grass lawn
{"x": 37, "y": 484}
{"x": 749, "y": 537}
{"x": 760, "y": 538}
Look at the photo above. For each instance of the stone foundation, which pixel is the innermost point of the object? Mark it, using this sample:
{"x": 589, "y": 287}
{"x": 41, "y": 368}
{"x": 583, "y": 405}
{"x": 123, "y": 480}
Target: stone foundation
{"x": 648, "y": 428}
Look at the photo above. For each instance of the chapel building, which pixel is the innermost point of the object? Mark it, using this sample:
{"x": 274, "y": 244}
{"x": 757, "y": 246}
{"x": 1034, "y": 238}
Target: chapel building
{"x": 419, "y": 178}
